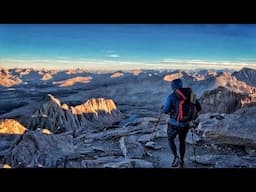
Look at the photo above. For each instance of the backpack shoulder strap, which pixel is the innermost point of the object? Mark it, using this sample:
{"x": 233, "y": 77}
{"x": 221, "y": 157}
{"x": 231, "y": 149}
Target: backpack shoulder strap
{"x": 180, "y": 94}
{"x": 181, "y": 102}
{"x": 192, "y": 97}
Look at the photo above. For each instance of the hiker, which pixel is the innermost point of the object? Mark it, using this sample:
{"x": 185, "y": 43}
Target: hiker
{"x": 180, "y": 118}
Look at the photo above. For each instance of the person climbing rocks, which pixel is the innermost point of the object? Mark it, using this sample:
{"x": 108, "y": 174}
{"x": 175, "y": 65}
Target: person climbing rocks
{"x": 183, "y": 108}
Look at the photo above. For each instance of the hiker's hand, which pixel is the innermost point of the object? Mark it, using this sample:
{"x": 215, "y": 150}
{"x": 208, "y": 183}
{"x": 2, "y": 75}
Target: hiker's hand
{"x": 162, "y": 107}
{"x": 193, "y": 124}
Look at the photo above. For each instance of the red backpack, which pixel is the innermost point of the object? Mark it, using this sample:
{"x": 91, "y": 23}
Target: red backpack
{"x": 187, "y": 104}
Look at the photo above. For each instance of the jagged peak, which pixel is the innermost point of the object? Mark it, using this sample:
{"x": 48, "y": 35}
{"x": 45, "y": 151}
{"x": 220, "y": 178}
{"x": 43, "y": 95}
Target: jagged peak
{"x": 95, "y": 104}
{"x": 90, "y": 106}
{"x": 51, "y": 98}
{"x": 58, "y": 117}
{"x": 247, "y": 69}
{"x": 247, "y": 75}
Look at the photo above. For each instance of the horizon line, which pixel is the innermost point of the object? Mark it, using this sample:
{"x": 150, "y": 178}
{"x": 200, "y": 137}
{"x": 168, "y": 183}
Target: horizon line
{"x": 106, "y": 65}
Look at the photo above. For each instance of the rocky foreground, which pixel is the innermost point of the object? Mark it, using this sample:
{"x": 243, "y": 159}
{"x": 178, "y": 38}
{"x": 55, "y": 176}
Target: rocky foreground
{"x": 221, "y": 141}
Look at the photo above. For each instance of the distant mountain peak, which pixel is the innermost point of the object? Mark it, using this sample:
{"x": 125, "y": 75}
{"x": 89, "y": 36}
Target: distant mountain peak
{"x": 7, "y": 79}
{"x": 246, "y": 75}
{"x": 247, "y": 69}
{"x": 51, "y": 98}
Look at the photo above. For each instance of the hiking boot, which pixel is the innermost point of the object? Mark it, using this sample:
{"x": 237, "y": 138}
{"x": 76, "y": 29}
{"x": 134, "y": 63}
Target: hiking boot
{"x": 175, "y": 162}
{"x": 181, "y": 164}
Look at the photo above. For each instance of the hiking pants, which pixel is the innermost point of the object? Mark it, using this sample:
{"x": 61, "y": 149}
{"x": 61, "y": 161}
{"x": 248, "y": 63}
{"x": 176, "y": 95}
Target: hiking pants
{"x": 172, "y": 132}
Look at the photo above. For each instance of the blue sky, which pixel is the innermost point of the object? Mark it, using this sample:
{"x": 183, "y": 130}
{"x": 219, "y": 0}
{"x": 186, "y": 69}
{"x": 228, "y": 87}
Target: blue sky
{"x": 124, "y": 45}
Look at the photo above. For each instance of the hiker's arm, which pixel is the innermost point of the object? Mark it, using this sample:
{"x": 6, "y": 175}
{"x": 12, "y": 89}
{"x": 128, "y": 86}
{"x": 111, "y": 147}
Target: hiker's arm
{"x": 167, "y": 105}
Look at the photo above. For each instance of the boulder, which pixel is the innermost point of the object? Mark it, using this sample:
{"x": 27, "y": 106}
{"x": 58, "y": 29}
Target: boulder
{"x": 153, "y": 145}
{"x": 131, "y": 148}
{"x": 37, "y": 149}
{"x": 221, "y": 100}
{"x": 225, "y": 161}
{"x": 195, "y": 138}
{"x": 238, "y": 128}
{"x": 250, "y": 150}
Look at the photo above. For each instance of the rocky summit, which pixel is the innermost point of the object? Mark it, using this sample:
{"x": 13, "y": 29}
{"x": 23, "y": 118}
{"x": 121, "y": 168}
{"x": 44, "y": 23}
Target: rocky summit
{"x": 59, "y": 117}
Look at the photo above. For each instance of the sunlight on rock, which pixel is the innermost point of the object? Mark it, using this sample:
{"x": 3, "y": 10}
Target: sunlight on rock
{"x": 65, "y": 106}
{"x": 117, "y": 74}
{"x": 6, "y": 166}
{"x": 46, "y": 77}
{"x": 93, "y": 105}
{"x": 46, "y": 131}
{"x": 7, "y": 79}
{"x": 172, "y": 76}
{"x": 11, "y": 126}
{"x": 72, "y": 81}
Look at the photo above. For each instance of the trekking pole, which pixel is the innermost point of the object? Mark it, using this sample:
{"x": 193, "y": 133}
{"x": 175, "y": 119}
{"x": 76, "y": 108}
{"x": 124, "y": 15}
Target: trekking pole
{"x": 158, "y": 120}
{"x": 194, "y": 147}
{"x": 155, "y": 129}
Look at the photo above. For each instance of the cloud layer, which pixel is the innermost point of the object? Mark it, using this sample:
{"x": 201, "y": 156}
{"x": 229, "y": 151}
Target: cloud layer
{"x": 113, "y": 55}
{"x": 68, "y": 63}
